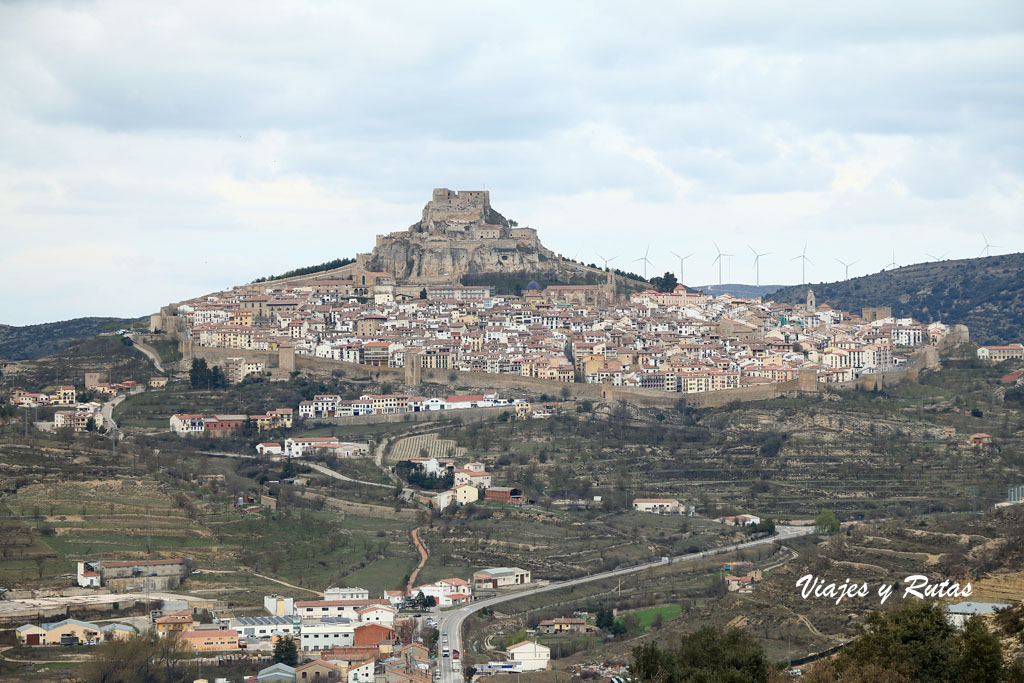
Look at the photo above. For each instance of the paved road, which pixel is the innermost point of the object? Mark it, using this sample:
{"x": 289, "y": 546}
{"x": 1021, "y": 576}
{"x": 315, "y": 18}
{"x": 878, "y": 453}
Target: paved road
{"x": 150, "y": 355}
{"x": 450, "y": 622}
{"x": 107, "y": 411}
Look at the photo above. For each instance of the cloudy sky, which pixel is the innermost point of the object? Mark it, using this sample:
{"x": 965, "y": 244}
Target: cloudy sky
{"x": 151, "y": 152}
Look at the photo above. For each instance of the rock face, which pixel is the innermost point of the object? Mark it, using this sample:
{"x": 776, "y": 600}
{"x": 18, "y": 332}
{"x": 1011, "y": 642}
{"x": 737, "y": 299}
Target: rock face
{"x": 460, "y": 233}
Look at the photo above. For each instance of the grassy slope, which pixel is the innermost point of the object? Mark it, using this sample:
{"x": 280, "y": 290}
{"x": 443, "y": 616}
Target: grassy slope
{"x": 33, "y": 341}
{"x": 986, "y": 294}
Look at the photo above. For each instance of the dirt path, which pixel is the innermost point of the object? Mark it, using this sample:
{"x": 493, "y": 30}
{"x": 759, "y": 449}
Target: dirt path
{"x": 415, "y": 533}
{"x": 70, "y": 658}
{"x": 290, "y": 585}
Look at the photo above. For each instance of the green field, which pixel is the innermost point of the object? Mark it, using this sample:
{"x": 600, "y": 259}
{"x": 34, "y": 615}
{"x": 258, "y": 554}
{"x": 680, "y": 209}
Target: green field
{"x": 647, "y": 616}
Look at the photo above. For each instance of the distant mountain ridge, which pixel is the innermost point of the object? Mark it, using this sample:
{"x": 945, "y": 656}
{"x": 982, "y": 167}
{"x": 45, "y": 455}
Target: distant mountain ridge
{"x": 739, "y": 290}
{"x": 986, "y": 294}
{"x": 26, "y": 342}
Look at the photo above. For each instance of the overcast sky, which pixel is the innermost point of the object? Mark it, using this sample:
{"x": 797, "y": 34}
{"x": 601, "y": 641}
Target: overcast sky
{"x": 151, "y": 152}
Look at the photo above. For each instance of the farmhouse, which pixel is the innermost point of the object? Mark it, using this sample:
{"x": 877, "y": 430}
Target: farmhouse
{"x": 658, "y": 506}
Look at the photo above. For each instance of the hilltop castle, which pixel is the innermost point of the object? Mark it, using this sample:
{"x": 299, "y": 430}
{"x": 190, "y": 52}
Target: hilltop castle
{"x": 459, "y": 233}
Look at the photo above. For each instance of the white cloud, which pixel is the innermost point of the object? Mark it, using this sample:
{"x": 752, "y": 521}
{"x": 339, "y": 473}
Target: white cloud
{"x": 199, "y": 144}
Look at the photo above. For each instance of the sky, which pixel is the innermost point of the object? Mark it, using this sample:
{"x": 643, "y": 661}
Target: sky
{"x": 152, "y": 152}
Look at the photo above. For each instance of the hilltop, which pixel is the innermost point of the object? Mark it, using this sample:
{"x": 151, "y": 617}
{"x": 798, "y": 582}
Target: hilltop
{"x": 34, "y": 341}
{"x": 986, "y": 294}
{"x": 739, "y": 290}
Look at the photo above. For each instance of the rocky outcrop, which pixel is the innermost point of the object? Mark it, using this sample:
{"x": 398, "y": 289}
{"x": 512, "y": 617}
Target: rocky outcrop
{"x": 460, "y": 233}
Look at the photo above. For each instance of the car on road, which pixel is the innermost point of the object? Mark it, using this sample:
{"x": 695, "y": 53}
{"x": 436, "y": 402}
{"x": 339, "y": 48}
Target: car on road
{"x": 445, "y": 652}
{"x": 455, "y": 654}
{"x": 437, "y": 675}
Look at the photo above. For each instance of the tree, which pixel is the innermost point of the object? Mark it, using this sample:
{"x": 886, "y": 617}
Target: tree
{"x": 423, "y": 293}
{"x": 469, "y": 672}
{"x": 979, "y": 655}
{"x": 665, "y": 283}
{"x": 914, "y": 639}
{"x": 146, "y": 658}
{"x": 826, "y": 522}
{"x": 90, "y": 425}
{"x": 285, "y": 652}
{"x": 708, "y": 654}
{"x": 605, "y": 618}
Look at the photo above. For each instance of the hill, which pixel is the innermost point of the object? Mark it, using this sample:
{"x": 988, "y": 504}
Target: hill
{"x": 742, "y": 291}
{"x": 986, "y": 294}
{"x": 34, "y": 341}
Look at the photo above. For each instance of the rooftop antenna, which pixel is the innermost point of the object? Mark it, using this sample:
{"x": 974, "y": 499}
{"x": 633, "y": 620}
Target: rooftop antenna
{"x": 757, "y": 265}
{"x": 938, "y": 258}
{"x": 645, "y": 260}
{"x": 718, "y": 260}
{"x": 803, "y": 263}
{"x": 847, "y": 266}
{"x": 682, "y": 273}
{"x": 893, "y": 262}
{"x": 987, "y": 251}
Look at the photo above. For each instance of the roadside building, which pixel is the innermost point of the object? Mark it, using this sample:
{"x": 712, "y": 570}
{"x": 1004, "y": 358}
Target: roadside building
{"x": 532, "y": 656}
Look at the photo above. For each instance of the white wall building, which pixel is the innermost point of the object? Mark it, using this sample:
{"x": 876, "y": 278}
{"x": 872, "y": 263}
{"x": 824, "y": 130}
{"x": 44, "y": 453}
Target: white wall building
{"x": 532, "y": 656}
{"x": 326, "y": 634}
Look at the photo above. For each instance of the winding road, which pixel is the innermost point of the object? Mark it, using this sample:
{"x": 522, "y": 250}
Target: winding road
{"x": 450, "y": 622}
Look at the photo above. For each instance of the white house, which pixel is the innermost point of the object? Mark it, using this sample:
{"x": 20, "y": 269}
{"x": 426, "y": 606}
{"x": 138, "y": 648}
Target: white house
{"x": 377, "y": 614}
{"x": 360, "y": 673}
{"x": 298, "y": 447}
{"x": 444, "y": 589}
{"x": 326, "y": 634}
{"x": 187, "y": 424}
{"x": 532, "y": 656}
{"x": 269, "y": 448}
{"x": 88, "y": 577}
{"x": 658, "y": 506}
{"x": 443, "y": 499}
{"x": 349, "y": 593}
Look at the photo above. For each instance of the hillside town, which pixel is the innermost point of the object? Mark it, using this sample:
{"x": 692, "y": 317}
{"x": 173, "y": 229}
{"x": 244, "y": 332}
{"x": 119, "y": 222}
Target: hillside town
{"x": 677, "y": 341}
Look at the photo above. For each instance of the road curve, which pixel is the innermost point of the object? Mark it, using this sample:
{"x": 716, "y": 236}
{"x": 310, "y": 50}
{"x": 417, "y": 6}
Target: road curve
{"x": 451, "y": 622}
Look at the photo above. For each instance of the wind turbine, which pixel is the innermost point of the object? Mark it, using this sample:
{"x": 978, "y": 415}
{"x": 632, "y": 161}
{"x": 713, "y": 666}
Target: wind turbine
{"x": 757, "y": 265}
{"x": 937, "y": 258}
{"x": 718, "y": 260}
{"x": 645, "y": 260}
{"x": 987, "y": 251}
{"x": 847, "y": 266}
{"x": 682, "y": 277}
{"x": 803, "y": 265}
{"x": 893, "y": 263}
{"x": 606, "y": 260}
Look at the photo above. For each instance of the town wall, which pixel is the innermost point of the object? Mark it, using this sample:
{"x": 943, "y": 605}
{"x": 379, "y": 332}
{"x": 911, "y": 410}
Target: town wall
{"x": 515, "y": 386}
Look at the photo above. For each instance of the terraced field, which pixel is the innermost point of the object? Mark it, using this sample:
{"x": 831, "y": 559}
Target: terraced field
{"x": 415, "y": 446}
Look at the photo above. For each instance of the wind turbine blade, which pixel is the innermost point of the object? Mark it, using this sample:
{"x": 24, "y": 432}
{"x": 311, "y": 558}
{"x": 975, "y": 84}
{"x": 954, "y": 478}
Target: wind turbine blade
{"x": 674, "y": 254}
{"x": 809, "y": 260}
{"x": 752, "y": 250}
{"x": 689, "y": 255}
